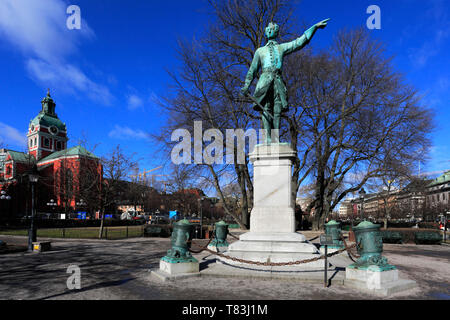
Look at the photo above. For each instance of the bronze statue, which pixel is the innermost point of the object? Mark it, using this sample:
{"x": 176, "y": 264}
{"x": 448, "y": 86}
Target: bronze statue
{"x": 270, "y": 93}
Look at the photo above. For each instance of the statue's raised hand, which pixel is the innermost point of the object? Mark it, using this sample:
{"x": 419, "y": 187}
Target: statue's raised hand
{"x": 322, "y": 24}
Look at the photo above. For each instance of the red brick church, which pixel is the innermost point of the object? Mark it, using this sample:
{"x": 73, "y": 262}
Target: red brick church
{"x": 64, "y": 174}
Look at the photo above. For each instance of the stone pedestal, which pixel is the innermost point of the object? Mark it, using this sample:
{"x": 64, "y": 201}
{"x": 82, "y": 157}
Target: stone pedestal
{"x": 217, "y": 248}
{"x": 332, "y": 249}
{"x": 179, "y": 268}
{"x": 376, "y": 280}
{"x": 174, "y": 271}
{"x": 272, "y": 236}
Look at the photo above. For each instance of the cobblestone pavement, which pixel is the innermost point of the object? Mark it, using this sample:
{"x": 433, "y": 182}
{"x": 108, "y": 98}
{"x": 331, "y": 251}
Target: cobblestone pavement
{"x": 120, "y": 270}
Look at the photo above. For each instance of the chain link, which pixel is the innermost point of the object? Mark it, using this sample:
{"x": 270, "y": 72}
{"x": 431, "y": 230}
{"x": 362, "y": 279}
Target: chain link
{"x": 236, "y": 237}
{"x": 351, "y": 255}
{"x": 202, "y": 248}
{"x": 272, "y": 264}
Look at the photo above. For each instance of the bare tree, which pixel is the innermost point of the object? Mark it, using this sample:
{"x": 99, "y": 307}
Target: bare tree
{"x": 349, "y": 109}
{"x": 352, "y": 116}
{"x": 117, "y": 167}
{"x": 206, "y": 87}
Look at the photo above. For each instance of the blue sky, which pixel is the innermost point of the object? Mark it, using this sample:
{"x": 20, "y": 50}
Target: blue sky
{"x": 106, "y": 76}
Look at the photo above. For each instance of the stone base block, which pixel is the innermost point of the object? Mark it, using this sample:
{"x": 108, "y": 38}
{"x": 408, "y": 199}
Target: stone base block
{"x": 378, "y": 282}
{"x": 219, "y": 249}
{"x": 219, "y": 269}
{"x": 318, "y": 265}
{"x": 163, "y": 276}
{"x": 179, "y": 268}
{"x": 331, "y": 250}
{"x": 264, "y": 219}
{"x": 273, "y": 247}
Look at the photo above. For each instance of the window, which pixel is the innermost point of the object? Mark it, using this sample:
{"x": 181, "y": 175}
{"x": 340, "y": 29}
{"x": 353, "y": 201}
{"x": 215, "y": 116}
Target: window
{"x": 58, "y": 145}
{"x": 35, "y": 142}
{"x": 46, "y": 142}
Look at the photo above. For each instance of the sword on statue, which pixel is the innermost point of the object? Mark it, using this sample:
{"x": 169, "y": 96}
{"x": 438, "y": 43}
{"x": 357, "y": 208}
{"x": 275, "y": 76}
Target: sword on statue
{"x": 247, "y": 98}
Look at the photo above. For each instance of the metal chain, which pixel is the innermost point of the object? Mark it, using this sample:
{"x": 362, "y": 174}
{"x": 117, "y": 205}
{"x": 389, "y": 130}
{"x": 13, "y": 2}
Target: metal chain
{"x": 351, "y": 255}
{"x": 236, "y": 237}
{"x": 202, "y": 248}
{"x": 273, "y": 264}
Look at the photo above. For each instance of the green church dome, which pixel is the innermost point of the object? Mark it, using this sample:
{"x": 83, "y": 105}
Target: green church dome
{"x": 47, "y": 116}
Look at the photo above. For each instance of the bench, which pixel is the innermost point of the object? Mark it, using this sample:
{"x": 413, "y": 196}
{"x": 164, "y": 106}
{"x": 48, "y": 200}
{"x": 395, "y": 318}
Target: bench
{"x": 42, "y": 246}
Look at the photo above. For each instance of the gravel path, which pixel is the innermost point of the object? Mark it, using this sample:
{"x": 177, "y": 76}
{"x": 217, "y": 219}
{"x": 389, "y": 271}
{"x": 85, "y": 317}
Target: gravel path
{"x": 120, "y": 270}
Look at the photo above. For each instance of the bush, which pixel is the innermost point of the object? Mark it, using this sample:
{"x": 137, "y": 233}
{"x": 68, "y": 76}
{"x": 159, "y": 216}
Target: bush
{"x": 408, "y": 235}
{"x": 390, "y": 236}
{"x": 428, "y": 237}
{"x": 158, "y": 230}
{"x": 399, "y": 224}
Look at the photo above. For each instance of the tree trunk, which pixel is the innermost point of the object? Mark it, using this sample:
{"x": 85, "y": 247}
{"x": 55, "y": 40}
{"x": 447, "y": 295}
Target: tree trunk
{"x": 244, "y": 207}
{"x": 100, "y": 233}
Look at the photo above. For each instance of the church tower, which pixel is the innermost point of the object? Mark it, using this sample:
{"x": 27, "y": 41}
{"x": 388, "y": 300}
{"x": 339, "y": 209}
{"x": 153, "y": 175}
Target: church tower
{"x": 46, "y": 133}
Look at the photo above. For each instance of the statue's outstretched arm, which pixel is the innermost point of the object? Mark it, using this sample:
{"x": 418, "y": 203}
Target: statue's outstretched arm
{"x": 251, "y": 74}
{"x": 299, "y": 43}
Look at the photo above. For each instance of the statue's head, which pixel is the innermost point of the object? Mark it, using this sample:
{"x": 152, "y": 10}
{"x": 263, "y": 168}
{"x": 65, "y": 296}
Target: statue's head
{"x": 272, "y": 31}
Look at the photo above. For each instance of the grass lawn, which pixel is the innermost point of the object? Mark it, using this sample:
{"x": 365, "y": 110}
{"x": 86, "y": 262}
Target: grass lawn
{"x": 110, "y": 233}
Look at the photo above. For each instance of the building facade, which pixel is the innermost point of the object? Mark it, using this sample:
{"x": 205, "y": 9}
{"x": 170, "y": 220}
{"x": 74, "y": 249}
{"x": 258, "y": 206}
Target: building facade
{"x": 64, "y": 173}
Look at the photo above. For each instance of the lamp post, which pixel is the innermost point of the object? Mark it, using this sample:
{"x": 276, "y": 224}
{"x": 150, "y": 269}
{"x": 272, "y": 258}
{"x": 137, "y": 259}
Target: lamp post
{"x": 362, "y": 193}
{"x": 52, "y": 204}
{"x": 5, "y": 196}
{"x": 200, "y": 200}
{"x": 81, "y": 203}
{"x": 33, "y": 177}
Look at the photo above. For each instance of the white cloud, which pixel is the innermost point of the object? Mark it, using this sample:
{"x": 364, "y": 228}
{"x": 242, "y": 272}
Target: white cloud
{"x": 12, "y": 136}
{"x": 38, "y": 29}
{"x": 134, "y": 102}
{"x": 68, "y": 78}
{"x": 126, "y": 133}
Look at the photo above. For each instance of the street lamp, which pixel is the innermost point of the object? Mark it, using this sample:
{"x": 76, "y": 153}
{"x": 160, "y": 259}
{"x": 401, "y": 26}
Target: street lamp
{"x": 52, "y": 204}
{"x": 201, "y": 215}
{"x": 81, "y": 203}
{"x": 362, "y": 193}
{"x": 4, "y": 196}
{"x": 33, "y": 177}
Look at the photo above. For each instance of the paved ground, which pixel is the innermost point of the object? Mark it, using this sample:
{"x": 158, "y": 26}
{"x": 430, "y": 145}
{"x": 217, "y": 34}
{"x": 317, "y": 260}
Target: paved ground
{"x": 120, "y": 270}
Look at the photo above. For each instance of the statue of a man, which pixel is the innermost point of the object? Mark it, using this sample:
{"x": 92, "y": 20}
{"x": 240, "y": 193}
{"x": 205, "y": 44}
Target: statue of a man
{"x": 270, "y": 92}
